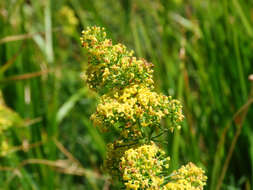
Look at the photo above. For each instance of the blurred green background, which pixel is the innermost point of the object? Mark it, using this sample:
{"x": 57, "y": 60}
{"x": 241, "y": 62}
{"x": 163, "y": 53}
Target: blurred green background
{"x": 203, "y": 54}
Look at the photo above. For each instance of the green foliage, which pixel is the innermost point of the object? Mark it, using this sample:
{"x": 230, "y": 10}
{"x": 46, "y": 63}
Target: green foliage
{"x": 202, "y": 52}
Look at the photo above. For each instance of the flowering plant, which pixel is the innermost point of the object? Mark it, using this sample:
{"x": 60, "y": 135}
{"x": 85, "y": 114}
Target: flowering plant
{"x": 130, "y": 107}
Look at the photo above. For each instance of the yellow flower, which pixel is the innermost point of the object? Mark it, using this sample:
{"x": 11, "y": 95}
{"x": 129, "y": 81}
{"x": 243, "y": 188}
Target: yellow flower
{"x": 188, "y": 177}
{"x": 136, "y": 106}
{"x": 112, "y": 66}
{"x": 68, "y": 20}
{"x": 142, "y": 166}
{"x": 129, "y": 105}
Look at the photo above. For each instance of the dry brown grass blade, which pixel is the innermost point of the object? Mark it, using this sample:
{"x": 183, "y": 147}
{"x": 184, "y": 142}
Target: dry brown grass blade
{"x": 26, "y": 76}
{"x": 57, "y": 163}
{"x": 238, "y": 118}
{"x": 75, "y": 161}
{"x": 29, "y": 122}
{"x": 12, "y": 60}
{"x": 24, "y": 147}
{"x": 107, "y": 185}
{"x": 17, "y": 37}
{"x": 65, "y": 166}
{"x": 66, "y": 152}
{"x": 69, "y": 166}
{"x": 62, "y": 166}
{"x": 5, "y": 168}
{"x": 22, "y": 36}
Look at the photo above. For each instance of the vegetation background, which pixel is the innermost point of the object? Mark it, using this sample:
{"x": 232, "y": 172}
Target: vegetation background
{"x": 203, "y": 55}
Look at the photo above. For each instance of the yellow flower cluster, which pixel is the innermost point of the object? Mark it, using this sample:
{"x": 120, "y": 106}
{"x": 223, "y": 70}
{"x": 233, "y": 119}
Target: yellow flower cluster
{"x": 130, "y": 107}
{"x": 146, "y": 168}
{"x": 129, "y": 104}
{"x": 4, "y": 148}
{"x": 135, "y": 108}
{"x": 114, "y": 153}
{"x": 8, "y": 118}
{"x": 142, "y": 167}
{"x": 112, "y": 66}
{"x": 68, "y": 20}
{"x": 188, "y": 177}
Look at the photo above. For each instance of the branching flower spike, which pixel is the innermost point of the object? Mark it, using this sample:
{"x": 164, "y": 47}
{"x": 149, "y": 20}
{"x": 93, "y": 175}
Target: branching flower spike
{"x": 130, "y": 107}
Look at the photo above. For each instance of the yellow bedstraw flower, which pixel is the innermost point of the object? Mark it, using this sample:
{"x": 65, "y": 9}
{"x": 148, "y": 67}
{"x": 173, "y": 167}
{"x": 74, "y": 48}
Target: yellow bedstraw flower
{"x": 8, "y": 118}
{"x": 113, "y": 157}
{"x": 141, "y": 167}
{"x": 67, "y": 19}
{"x": 112, "y": 66}
{"x": 4, "y": 148}
{"x": 130, "y": 107}
{"x": 129, "y": 103}
{"x": 188, "y": 177}
{"x": 135, "y": 108}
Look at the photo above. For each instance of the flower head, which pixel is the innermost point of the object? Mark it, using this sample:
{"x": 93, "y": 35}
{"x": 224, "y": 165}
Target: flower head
{"x": 134, "y": 109}
{"x": 8, "y": 118}
{"x": 112, "y": 66}
{"x": 130, "y": 106}
{"x": 67, "y": 19}
{"x": 188, "y": 177}
{"x": 141, "y": 167}
{"x": 114, "y": 153}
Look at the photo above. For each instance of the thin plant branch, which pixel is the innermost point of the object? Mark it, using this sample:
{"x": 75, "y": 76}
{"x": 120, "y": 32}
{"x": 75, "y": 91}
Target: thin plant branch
{"x": 239, "y": 119}
{"x": 23, "y": 36}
